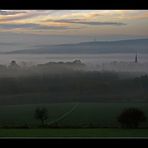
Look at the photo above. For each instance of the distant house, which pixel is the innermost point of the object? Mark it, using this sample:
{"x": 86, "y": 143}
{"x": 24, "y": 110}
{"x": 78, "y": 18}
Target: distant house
{"x": 77, "y": 62}
{"x": 13, "y": 65}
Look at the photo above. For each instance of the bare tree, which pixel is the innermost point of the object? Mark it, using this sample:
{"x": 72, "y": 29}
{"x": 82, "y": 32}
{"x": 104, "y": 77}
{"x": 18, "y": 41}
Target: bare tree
{"x": 42, "y": 115}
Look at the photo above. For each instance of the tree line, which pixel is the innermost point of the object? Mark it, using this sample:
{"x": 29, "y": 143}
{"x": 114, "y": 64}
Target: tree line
{"x": 71, "y": 87}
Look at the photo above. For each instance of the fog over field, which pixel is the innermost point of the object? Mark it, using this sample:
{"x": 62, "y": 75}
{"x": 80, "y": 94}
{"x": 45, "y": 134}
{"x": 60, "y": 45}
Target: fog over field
{"x": 93, "y": 62}
{"x": 73, "y": 68}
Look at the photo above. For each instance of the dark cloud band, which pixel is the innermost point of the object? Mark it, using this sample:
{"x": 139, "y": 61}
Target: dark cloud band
{"x": 3, "y": 12}
{"x": 34, "y": 26}
{"x": 79, "y": 21}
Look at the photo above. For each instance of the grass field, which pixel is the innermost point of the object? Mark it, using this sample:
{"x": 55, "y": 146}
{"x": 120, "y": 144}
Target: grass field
{"x": 102, "y": 132}
{"x": 69, "y": 114}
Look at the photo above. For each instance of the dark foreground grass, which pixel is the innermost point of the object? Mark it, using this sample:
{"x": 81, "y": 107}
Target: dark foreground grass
{"x": 95, "y": 132}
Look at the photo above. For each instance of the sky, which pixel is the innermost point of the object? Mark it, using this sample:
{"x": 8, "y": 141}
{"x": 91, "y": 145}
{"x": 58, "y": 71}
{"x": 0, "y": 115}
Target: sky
{"x": 20, "y": 29}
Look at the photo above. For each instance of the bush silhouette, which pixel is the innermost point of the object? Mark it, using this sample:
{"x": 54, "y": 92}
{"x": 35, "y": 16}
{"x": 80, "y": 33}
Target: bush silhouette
{"x": 131, "y": 118}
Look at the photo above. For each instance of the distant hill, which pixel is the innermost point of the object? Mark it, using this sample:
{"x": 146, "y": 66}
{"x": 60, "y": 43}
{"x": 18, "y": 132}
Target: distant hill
{"x": 121, "y": 46}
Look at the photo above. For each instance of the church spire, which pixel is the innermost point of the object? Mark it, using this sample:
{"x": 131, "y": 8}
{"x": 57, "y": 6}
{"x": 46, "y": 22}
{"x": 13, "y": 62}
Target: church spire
{"x": 136, "y": 58}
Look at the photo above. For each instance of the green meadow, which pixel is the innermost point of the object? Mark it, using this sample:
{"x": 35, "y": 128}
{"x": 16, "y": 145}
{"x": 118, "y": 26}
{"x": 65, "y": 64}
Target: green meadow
{"x": 68, "y": 114}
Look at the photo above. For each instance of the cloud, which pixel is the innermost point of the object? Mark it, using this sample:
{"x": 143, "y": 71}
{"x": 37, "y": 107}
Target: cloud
{"x": 80, "y": 21}
{"x": 55, "y": 27}
{"x": 33, "y": 27}
{"x": 11, "y": 15}
{"x": 28, "y": 14}
{"x": 3, "y": 12}
{"x": 14, "y": 26}
{"x": 102, "y": 23}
